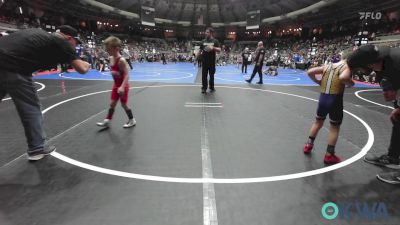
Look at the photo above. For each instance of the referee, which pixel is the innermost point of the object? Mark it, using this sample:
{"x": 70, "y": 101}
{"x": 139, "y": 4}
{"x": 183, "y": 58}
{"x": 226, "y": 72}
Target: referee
{"x": 260, "y": 54}
{"x": 245, "y": 58}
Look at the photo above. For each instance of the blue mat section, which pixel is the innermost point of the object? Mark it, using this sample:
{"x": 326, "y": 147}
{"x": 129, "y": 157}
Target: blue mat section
{"x": 186, "y": 73}
{"x": 151, "y": 72}
{"x": 233, "y": 75}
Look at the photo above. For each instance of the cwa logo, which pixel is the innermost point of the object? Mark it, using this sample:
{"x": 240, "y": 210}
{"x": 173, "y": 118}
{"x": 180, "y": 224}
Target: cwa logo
{"x": 348, "y": 211}
{"x": 370, "y": 15}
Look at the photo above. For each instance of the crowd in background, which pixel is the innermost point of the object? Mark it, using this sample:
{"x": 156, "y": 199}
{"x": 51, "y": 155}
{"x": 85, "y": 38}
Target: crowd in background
{"x": 285, "y": 51}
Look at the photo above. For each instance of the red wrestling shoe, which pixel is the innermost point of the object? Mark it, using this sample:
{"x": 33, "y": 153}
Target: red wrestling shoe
{"x": 331, "y": 159}
{"x": 307, "y": 148}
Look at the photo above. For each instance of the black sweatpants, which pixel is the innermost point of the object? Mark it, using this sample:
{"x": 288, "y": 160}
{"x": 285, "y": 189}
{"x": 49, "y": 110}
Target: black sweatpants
{"x": 129, "y": 63}
{"x": 255, "y": 70}
{"x": 244, "y": 67}
{"x": 205, "y": 70}
{"x": 394, "y": 147}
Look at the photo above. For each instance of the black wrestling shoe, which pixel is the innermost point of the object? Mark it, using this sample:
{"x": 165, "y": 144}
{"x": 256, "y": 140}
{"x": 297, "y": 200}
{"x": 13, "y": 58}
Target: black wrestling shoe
{"x": 383, "y": 160}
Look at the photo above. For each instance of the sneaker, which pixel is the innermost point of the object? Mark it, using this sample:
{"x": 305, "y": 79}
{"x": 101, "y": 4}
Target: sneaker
{"x": 40, "y": 154}
{"x": 259, "y": 82}
{"x": 203, "y": 91}
{"x": 307, "y": 148}
{"x": 389, "y": 177}
{"x": 130, "y": 123}
{"x": 105, "y": 123}
{"x": 331, "y": 159}
{"x": 212, "y": 89}
{"x": 248, "y": 81}
{"x": 383, "y": 160}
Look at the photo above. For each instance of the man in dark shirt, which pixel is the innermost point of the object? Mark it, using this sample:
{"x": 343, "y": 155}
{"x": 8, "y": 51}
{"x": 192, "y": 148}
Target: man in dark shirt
{"x": 259, "y": 60}
{"x": 208, "y": 49}
{"x": 163, "y": 59}
{"x": 245, "y": 59}
{"x": 385, "y": 62}
{"x": 22, "y": 53}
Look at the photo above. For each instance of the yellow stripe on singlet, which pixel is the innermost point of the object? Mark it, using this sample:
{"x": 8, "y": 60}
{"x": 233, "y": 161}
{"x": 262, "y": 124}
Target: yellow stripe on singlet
{"x": 330, "y": 83}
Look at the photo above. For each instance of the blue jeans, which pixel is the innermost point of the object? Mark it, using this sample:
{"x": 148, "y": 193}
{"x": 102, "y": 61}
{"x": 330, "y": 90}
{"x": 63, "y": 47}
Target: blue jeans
{"x": 23, "y": 92}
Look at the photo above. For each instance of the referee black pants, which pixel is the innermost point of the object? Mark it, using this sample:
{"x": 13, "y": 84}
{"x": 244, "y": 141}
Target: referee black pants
{"x": 257, "y": 69}
{"x": 205, "y": 71}
{"x": 128, "y": 60}
{"x": 244, "y": 67}
{"x": 394, "y": 147}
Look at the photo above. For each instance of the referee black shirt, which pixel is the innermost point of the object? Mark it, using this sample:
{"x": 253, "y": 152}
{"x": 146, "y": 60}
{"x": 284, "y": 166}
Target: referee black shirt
{"x": 245, "y": 57}
{"x": 260, "y": 53}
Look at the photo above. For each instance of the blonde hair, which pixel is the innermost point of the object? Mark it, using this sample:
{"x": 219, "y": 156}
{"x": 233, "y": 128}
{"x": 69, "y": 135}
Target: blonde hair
{"x": 113, "y": 42}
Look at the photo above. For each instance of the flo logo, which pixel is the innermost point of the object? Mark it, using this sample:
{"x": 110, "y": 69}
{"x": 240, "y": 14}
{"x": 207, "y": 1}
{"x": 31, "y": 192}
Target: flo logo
{"x": 348, "y": 211}
{"x": 370, "y": 15}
